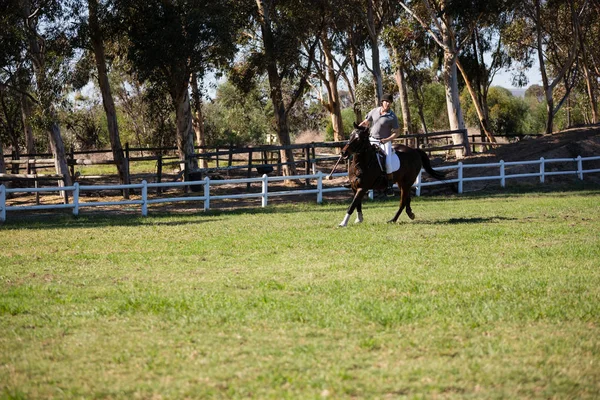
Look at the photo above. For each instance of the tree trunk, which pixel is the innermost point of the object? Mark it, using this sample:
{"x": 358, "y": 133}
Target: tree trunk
{"x": 402, "y": 90}
{"x": 185, "y": 131}
{"x": 2, "y": 164}
{"x": 333, "y": 94}
{"x": 198, "y": 119}
{"x": 354, "y": 62}
{"x": 107, "y": 98}
{"x": 591, "y": 93}
{"x": 547, "y": 85}
{"x": 283, "y": 132}
{"x": 455, "y": 116}
{"x": 38, "y": 61}
{"x": 589, "y": 81}
{"x": 483, "y": 122}
{"x": 27, "y": 129}
{"x": 374, "y": 36}
{"x": 58, "y": 149}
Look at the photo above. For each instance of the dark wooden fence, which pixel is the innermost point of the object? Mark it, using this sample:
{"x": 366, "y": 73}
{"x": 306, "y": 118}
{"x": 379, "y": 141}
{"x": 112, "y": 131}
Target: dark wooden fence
{"x": 251, "y": 159}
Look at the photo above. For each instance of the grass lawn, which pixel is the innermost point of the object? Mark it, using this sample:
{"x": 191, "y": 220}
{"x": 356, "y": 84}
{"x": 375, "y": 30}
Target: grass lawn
{"x": 486, "y": 297}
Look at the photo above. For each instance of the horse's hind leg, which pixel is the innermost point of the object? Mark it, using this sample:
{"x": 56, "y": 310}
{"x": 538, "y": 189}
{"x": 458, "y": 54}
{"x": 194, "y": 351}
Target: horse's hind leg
{"x": 404, "y": 202}
{"x": 409, "y": 212}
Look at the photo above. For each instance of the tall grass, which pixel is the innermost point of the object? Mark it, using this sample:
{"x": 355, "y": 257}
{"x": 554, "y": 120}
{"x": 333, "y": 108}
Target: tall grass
{"x": 479, "y": 297}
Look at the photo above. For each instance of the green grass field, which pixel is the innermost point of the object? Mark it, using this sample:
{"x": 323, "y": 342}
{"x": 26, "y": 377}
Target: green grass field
{"x": 487, "y": 297}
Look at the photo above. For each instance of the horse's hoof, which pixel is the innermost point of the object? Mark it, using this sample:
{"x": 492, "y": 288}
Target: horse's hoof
{"x": 411, "y": 215}
{"x": 391, "y": 221}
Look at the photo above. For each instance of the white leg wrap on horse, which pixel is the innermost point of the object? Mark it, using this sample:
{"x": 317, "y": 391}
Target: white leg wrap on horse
{"x": 359, "y": 218}
{"x": 345, "y": 221}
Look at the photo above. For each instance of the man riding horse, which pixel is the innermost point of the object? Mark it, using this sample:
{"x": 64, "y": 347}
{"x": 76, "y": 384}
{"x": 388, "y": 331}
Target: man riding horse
{"x": 384, "y": 128}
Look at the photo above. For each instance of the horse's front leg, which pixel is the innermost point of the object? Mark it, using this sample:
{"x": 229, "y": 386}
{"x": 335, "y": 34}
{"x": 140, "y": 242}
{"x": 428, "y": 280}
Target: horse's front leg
{"x": 356, "y": 203}
{"x": 359, "y": 214}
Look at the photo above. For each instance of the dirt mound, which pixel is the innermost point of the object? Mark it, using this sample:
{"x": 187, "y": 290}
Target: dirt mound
{"x": 570, "y": 143}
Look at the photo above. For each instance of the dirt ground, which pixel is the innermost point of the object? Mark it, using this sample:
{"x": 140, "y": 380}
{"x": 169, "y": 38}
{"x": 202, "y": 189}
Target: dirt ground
{"x": 582, "y": 141}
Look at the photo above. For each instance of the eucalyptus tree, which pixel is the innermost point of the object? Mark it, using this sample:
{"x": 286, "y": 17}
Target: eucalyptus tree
{"x": 349, "y": 42}
{"x": 337, "y": 50}
{"x": 10, "y": 55}
{"x": 94, "y": 34}
{"x": 47, "y": 45}
{"x": 170, "y": 40}
{"x": 554, "y": 39}
{"x": 587, "y": 28}
{"x": 282, "y": 43}
{"x": 400, "y": 38}
{"x": 411, "y": 53}
{"x": 329, "y": 75}
{"x": 376, "y": 15}
{"x": 483, "y": 56}
{"x": 439, "y": 18}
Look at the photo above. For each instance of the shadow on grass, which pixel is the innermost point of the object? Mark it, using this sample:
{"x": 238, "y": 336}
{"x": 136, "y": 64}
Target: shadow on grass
{"x": 62, "y": 219}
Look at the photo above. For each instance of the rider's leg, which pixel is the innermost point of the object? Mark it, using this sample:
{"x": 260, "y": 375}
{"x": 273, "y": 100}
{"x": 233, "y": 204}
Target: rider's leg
{"x": 387, "y": 148}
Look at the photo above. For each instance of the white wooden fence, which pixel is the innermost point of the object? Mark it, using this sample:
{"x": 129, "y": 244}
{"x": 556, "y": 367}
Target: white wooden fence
{"x": 265, "y": 194}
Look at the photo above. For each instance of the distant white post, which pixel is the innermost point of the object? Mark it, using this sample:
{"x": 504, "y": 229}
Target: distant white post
{"x": 579, "y": 168}
{"x": 319, "y": 187}
{"x": 265, "y": 191}
{"x": 542, "y": 169}
{"x": 144, "y": 198}
{"x": 76, "y": 199}
{"x": 502, "y": 176}
{"x": 206, "y": 193}
{"x": 418, "y": 182}
{"x": 460, "y": 177}
{"x": 2, "y": 203}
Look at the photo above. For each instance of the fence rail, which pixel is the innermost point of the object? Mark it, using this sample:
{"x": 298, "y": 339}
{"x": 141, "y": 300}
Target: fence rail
{"x": 319, "y": 189}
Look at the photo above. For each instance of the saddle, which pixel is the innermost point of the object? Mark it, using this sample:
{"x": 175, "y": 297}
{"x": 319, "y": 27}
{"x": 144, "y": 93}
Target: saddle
{"x": 380, "y": 157}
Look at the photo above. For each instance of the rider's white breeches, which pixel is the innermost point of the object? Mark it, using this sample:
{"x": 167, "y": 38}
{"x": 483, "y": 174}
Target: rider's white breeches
{"x": 387, "y": 149}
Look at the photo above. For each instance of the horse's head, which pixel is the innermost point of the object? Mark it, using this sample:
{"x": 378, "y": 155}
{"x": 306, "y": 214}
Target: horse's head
{"x": 358, "y": 141}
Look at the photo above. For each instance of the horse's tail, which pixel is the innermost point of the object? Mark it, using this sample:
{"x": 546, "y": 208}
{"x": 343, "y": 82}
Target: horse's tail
{"x": 439, "y": 175}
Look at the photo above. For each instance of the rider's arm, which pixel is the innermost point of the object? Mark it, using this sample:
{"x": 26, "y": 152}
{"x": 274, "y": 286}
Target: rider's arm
{"x": 393, "y": 136}
{"x": 364, "y": 123}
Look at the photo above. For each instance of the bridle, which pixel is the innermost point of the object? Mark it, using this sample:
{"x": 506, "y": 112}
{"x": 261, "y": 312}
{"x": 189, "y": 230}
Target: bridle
{"x": 356, "y": 143}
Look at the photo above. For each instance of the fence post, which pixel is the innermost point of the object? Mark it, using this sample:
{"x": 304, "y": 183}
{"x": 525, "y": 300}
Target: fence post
{"x": 502, "y": 175}
{"x": 159, "y": 167}
{"x": 460, "y": 177}
{"x": 127, "y": 161}
{"x": 76, "y": 199}
{"x": 206, "y": 193}
{"x": 72, "y": 163}
{"x": 144, "y": 198}
{"x": 579, "y": 168}
{"x": 418, "y": 182}
{"x": 542, "y": 170}
{"x": 249, "y": 169}
{"x": 319, "y": 187}
{"x": 2, "y": 203}
{"x": 307, "y": 158}
{"x": 465, "y": 136}
{"x": 265, "y": 191}
{"x": 15, "y": 157}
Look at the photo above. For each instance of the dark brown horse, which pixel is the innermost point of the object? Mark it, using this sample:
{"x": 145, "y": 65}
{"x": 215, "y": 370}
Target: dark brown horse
{"x": 366, "y": 173}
